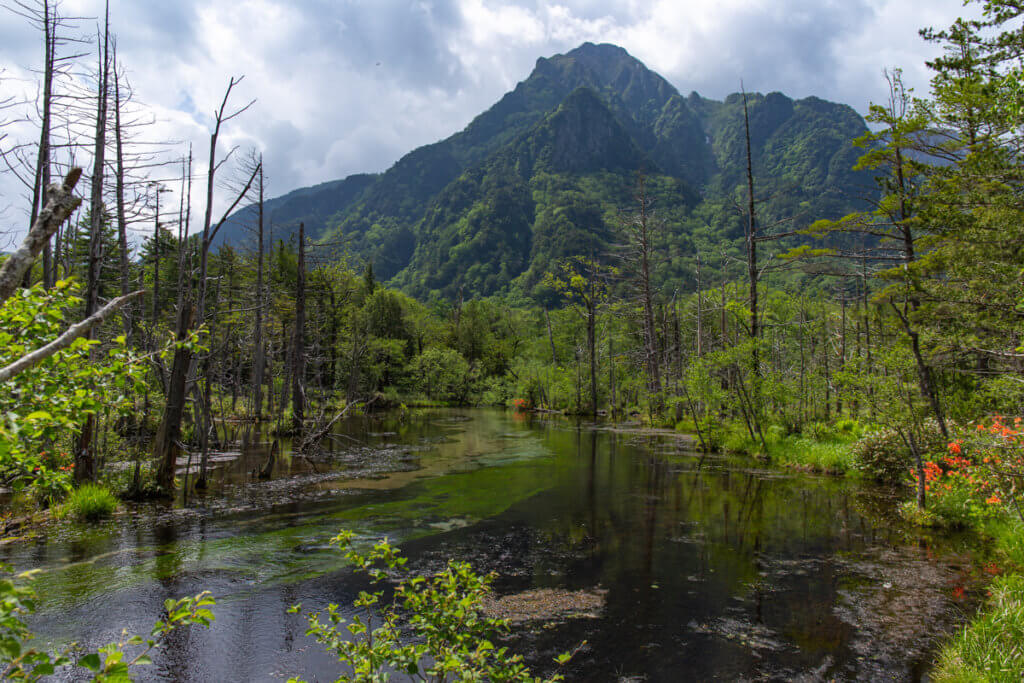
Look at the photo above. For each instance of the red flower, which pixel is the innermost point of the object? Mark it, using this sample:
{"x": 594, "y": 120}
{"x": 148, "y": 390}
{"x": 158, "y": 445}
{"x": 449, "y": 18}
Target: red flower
{"x": 954, "y": 448}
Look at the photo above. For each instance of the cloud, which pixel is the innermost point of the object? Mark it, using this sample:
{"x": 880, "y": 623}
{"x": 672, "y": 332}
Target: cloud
{"x": 347, "y": 86}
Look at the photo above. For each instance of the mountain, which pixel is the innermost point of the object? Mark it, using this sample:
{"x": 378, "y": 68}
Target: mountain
{"x": 314, "y": 206}
{"x": 549, "y": 170}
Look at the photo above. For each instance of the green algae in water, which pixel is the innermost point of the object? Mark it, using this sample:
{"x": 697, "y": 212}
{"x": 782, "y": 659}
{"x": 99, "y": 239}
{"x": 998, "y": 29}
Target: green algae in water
{"x": 299, "y": 551}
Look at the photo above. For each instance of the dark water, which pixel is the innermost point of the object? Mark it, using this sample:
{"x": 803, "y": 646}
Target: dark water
{"x": 712, "y": 568}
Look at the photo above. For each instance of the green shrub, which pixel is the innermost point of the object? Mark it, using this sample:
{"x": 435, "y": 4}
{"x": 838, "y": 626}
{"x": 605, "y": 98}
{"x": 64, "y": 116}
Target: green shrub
{"x": 990, "y": 649}
{"x": 775, "y": 434}
{"x": 89, "y": 503}
{"x": 736, "y": 439}
{"x": 433, "y": 629}
{"x": 883, "y": 455}
{"x": 957, "y": 508}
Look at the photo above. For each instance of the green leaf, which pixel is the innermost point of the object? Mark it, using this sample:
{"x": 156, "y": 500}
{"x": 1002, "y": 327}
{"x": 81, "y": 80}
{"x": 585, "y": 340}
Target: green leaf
{"x": 91, "y": 662}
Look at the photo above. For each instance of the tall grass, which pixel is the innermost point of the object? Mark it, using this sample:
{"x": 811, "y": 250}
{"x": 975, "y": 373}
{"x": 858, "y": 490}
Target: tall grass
{"x": 832, "y": 457}
{"x": 88, "y": 503}
{"x": 992, "y": 647}
{"x": 819, "y": 450}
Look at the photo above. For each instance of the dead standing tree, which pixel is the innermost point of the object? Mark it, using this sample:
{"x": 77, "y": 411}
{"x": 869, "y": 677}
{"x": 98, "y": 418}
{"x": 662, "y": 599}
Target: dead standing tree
{"x": 85, "y": 466}
{"x": 299, "y": 345}
{"x": 167, "y": 446}
{"x": 641, "y": 231}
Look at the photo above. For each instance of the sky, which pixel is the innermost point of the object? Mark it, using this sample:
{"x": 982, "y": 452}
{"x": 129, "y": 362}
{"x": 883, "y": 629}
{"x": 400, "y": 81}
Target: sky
{"x": 349, "y": 86}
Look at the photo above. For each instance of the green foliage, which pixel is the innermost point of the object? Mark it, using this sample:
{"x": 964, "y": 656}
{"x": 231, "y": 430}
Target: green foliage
{"x": 112, "y": 663}
{"x": 89, "y": 503}
{"x": 442, "y": 374}
{"x": 42, "y": 406}
{"x": 449, "y": 637}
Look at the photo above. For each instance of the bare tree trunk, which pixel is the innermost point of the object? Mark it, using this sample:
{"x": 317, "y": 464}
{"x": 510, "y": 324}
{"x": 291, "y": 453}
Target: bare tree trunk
{"x": 611, "y": 376}
{"x": 167, "y": 445}
{"x": 752, "y": 273}
{"x": 298, "y": 345}
{"x": 209, "y": 232}
{"x": 122, "y": 223}
{"x": 85, "y": 466}
{"x": 592, "y": 347}
{"x": 259, "y": 350}
{"x": 644, "y": 248}
{"x": 700, "y": 313}
{"x": 42, "y": 174}
{"x": 551, "y": 338}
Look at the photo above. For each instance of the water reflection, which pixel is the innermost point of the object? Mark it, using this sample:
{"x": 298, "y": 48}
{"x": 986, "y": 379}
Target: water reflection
{"x": 712, "y": 568}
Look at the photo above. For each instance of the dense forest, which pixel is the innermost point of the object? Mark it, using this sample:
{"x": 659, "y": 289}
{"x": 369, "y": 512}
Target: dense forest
{"x": 772, "y": 276}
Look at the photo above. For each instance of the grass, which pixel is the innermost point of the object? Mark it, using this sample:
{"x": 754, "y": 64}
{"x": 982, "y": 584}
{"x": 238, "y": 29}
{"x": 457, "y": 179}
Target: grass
{"x": 991, "y": 648}
{"x": 824, "y": 452}
{"x": 88, "y": 503}
{"x": 833, "y": 456}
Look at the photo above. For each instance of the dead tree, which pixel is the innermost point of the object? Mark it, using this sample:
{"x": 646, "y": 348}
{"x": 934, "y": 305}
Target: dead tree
{"x": 638, "y": 255}
{"x": 298, "y": 344}
{"x": 84, "y": 460}
{"x": 168, "y": 435}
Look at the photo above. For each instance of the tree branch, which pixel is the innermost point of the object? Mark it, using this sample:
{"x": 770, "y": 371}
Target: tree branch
{"x": 61, "y": 203}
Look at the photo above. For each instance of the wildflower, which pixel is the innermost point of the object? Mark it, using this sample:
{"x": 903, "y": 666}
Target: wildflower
{"x": 993, "y": 500}
{"x": 958, "y": 592}
{"x": 954, "y": 448}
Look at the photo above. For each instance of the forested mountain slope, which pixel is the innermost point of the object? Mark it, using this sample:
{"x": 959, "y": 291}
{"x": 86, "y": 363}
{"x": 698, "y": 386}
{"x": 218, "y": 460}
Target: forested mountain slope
{"x": 549, "y": 171}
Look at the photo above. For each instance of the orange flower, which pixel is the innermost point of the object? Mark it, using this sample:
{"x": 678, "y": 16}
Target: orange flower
{"x": 954, "y": 448}
{"x": 993, "y": 500}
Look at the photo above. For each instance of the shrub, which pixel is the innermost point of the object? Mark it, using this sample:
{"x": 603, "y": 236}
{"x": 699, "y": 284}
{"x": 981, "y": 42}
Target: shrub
{"x": 883, "y": 455}
{"x": 433, "y": 628}
{"x": 89, "y": 503}
{"x": 848, "y": 428}
{"x": 819, "y": 431}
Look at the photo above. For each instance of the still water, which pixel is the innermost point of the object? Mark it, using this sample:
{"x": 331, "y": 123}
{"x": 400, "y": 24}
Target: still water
{"x": 707, "y": 567}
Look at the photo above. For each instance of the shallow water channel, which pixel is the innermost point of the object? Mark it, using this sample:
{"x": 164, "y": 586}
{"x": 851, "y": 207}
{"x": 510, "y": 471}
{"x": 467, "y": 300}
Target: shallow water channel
{"x": 703, "y": 567}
